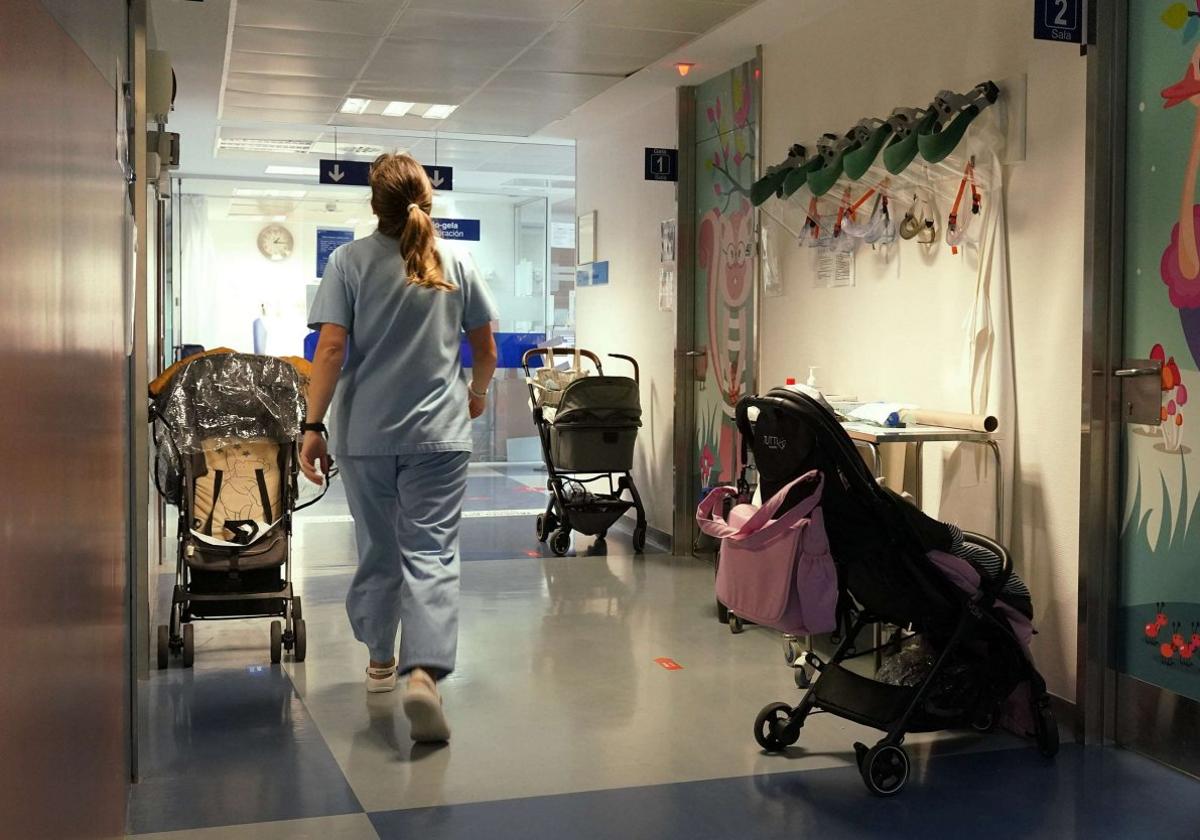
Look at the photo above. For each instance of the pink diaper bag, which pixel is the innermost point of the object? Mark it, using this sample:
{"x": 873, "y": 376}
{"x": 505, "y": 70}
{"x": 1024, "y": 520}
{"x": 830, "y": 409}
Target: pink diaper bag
{"x": 776, "y": 572}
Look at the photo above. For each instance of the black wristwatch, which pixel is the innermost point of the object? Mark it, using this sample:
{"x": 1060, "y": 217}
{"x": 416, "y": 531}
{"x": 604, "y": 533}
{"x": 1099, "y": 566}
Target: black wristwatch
{"x": 319, "y": 428}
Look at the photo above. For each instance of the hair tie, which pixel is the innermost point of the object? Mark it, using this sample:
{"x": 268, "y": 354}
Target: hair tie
{"x": 411, "y": 206}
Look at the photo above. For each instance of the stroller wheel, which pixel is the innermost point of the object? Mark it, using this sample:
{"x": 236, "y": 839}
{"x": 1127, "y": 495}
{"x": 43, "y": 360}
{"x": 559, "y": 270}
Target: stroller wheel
{"x": 301, "y": 643}
{"x": 802, "y": 674}
{"x": 189, "y": 646}
{"x": 771, "y": 729}
{"x": 735, "y": 624}
{"x": 639, "y": 539}
{"x": 297, "y": 610}
{"x": 560, "y": 542}
{"x": 164, "y": 646}
{"x": 276, "y": 641}
{"x": 546, "y": 523}
{"x": 885, "y": 769}
{"x": 1046, "y": 728}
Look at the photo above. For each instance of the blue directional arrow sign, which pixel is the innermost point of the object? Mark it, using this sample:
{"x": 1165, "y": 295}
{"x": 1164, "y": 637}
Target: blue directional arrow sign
{"x": 442, "y": 177}
{"x": 346, "y": 173}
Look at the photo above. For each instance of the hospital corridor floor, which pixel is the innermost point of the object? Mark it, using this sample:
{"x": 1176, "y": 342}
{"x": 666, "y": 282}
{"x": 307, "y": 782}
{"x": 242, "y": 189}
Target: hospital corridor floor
{"x": 566, "y": 724}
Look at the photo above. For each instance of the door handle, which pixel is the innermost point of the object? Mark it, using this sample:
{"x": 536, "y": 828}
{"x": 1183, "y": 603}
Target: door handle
{"x": 1141, "y": 391}
{"x": 696, "y": 353}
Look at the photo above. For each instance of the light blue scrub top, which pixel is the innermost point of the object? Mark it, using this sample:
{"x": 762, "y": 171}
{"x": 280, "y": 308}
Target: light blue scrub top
{"x": 401, "y": 391}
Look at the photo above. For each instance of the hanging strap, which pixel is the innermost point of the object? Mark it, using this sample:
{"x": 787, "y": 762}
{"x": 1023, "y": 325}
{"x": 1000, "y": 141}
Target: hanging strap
{"x": 710, "y": 520}
{"x": 218, "y": 476}
{"x": 976, "y": 202}
{"x": 265, "y": 495}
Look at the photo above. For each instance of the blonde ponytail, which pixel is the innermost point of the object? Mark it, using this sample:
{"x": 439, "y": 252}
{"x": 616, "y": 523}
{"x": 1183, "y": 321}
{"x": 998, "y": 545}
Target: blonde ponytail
{"x": 402, "y": 198}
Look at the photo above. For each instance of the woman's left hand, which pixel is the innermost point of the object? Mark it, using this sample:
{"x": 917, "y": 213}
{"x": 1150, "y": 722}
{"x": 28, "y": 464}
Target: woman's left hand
{"x": 314, "y": 457}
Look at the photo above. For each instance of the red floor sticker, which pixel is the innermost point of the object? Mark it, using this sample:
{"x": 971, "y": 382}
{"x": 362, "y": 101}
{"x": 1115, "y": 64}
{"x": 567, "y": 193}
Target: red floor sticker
{"x": 669, "y": 664}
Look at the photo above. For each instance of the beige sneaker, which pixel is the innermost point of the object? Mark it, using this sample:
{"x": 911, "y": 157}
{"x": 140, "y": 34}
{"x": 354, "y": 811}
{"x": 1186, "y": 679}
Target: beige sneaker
{"x": 423, "y": 706}
{"x": 381, "y": 679}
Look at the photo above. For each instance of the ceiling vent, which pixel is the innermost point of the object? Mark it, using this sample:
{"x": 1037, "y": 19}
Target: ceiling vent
{"x": 269, "y": 146}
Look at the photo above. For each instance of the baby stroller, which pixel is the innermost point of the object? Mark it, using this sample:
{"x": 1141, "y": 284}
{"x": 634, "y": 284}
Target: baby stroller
{"x": 587, "y": 426}
{"x": 225, "y": 429}
{"x": 892, "y": 566}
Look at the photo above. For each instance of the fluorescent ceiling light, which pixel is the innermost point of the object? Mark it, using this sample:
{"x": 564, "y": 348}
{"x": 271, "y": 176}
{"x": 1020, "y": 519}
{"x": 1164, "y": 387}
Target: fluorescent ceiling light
{"x": 293, "y": 170}
{"x": 279, "y": 218}
{"x": 354, "y": 105}
{"x": 243, "y": 192}
{"x": 397, "y": 109}
{"x": 439, "y": 112}
{"x": 353, "y": 222}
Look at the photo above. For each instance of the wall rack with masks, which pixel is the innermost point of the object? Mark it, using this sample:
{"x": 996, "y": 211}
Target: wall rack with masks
{"x": 921, "y": 174}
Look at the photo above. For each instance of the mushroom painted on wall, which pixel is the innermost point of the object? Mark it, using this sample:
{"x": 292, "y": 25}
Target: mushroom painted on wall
{"x": 1174, "y": 398}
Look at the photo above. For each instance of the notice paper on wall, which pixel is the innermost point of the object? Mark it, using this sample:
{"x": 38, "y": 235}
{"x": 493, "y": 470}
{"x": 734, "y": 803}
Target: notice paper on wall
{"x": 666, "y": 236}
{"x": 834, "y": 269}
{"x": 666, "y": 289}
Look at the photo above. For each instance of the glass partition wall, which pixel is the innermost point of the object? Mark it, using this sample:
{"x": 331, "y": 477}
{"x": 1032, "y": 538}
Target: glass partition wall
{"x": 251, "y": 254}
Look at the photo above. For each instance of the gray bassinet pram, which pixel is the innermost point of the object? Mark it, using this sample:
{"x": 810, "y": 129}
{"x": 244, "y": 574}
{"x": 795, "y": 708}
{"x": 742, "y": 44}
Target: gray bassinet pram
{"x": 596, "y": 425}
{"x": 586, "y": 425}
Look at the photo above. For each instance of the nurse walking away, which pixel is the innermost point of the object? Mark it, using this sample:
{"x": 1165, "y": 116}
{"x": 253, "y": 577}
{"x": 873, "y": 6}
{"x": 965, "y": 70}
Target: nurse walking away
{"x": 400, "y": 300}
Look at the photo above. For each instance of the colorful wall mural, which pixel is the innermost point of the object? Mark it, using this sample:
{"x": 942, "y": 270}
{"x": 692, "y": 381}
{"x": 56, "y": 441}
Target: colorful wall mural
{"x": 727, "y": 141}
{"x": 1160, "y": 563}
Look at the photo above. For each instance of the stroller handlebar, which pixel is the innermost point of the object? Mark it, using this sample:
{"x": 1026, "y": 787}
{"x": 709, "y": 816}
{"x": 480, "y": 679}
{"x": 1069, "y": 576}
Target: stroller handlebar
{"x": 559, "y": 351}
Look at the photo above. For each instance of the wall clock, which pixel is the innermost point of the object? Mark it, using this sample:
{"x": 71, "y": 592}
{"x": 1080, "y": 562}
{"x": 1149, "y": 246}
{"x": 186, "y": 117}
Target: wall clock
{"x": 275, "y": 242}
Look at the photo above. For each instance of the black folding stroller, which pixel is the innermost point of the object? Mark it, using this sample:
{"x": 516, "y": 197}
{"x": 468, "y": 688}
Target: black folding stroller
{"x": 587, "y": 426}
{"x": 225, "y": 427}
{"x": 880, "y": 544}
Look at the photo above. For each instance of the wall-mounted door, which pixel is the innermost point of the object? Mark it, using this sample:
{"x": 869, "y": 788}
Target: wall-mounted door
{"x": 1156, "y": 616}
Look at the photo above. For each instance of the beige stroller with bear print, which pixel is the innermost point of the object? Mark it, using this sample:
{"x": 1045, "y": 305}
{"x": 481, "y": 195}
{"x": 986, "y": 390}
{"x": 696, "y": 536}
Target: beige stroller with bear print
{"x": 226, "y": 427}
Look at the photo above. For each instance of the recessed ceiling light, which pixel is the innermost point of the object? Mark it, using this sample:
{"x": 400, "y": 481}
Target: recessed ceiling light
{"x": 354, "y": 105}
{"x": 397, "y": 109}
{"x": 439, "y": 112}
{"x": 242, "y": 192}
{"x": 293, "y": 170}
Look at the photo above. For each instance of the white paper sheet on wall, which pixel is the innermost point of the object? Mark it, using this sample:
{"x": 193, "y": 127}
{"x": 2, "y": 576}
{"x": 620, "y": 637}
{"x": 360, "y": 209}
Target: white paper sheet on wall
{"x": 666, "y": 290}
{"x": 835, "y": 269}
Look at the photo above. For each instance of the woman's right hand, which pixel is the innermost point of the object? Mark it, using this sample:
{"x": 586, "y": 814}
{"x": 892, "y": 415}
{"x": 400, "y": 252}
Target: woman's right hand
{"x": 476, "y": 404}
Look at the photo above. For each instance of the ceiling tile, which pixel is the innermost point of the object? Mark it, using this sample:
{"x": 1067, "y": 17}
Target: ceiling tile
{"x": 574, "y": 84}
{"x": 609, "y": 40}
{"x": 431, "y": 25}
{"x": 403, "y": 55}
{"x": 355, "y": 17}
{"x": 288, "y": 85}
{"x": 528, "y": 9}
{"x": 691, "y": 16}
{"x": 242, "y": 113}
{"x": 581, "y": 61}
{"x": 294, "y": 65}
{"x": 298, "y": 42}
{"x": 323, "y": 105}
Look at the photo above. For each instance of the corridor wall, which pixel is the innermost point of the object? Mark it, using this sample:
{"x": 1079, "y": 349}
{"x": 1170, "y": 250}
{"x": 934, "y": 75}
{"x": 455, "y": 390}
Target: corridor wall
{"x": 899, "y": 334}
{"x": 63, "y": 693}
{"x": 624, "y": 317}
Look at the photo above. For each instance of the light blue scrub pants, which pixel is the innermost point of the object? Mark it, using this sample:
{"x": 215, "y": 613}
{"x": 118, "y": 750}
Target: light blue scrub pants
{"x": 406, "y": 513}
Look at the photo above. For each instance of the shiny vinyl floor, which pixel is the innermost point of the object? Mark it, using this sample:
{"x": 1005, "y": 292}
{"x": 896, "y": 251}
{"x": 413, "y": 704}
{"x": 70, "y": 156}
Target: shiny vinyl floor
{"x": 565, "y": 726}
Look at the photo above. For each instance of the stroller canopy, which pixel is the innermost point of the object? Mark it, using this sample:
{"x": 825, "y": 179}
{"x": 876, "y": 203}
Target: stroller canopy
{"x": 600, "y": 400}
{"x": 231, "y": 396}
